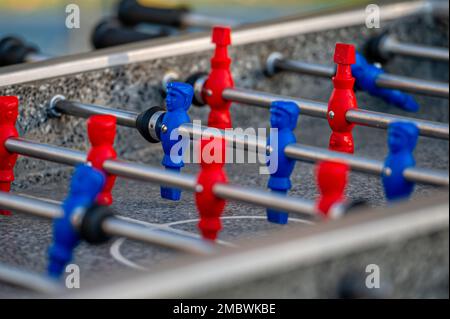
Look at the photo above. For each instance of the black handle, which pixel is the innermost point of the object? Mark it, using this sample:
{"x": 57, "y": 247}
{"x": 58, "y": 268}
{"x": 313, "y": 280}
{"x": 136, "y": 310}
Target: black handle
{"x": 372, "y": 49}
{"x": 131, "y": 13}
{"x": 111, "y": 33}
{"x": 14, "y": 51}
{"x": 150, "y": 120}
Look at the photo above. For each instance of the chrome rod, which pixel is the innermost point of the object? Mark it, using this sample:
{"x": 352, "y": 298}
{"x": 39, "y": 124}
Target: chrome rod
{"x": 276, "y": 63}
{"x": 262, "y": 99}
{"x": 390, "y": 45}
{"x": 265, "y": 199}
{"x": 113, "y": 226}
{"x": 29, "y": 206}
{"x": 319, "y": 109}
{"x": 29, "y": 280}
{"x": 120, "y": 228}
{"x": 115, "y": 167}
{"x": 45, "y": 152}
{"x": 382, "y": 121}
{"x": 312, "y": 154}
{"x": 411, "y": 85}
{"x": 427, "y": 176}
{"x": 124, "y": 118}
{"x": 247, "y": 142}
{"x": 154, "y": 175}
{"x": 151, "y": 174}
{"x": 281, "y": 64}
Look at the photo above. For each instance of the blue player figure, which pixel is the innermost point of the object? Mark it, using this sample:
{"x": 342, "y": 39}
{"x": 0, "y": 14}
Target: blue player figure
{"x": 402, "y": 140}
{"x": 366, "y": 76}
{"x": 283, "y": 117}
{"x": 178, "y": 101}
{"x": 86, "y": 184}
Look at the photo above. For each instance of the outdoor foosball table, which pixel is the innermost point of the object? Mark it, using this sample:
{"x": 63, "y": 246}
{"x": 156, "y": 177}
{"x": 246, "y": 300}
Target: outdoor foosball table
{"x": 368, "y": 193}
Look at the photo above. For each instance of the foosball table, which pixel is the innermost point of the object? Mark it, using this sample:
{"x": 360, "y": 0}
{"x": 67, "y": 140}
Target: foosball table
{"x": 313, "y": 158}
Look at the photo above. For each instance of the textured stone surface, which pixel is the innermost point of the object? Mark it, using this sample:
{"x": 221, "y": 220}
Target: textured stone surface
{"x": 136, "y": 87}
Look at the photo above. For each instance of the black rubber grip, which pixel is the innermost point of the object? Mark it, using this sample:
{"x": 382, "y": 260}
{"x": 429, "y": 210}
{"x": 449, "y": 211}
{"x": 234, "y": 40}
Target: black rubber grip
{"x": 110, "y": 32}
{"x": 372, "y": 50}
{"x": 143, "y": 123}
{"x": 191, "y": 81}
{"x": 131, "y": 13}
{"x": 14, "y": 51}
{"x": 91, "y": 229}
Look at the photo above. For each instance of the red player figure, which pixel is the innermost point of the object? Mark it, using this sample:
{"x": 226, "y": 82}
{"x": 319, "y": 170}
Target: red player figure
{"x": 218, "y": 80}
{"x": 332, "y": 182}
{"x": 101, "y": 132}
{"x": 342, "y": 99}
{"x": 209, "y": 206}
{"x": 9, "y": 106}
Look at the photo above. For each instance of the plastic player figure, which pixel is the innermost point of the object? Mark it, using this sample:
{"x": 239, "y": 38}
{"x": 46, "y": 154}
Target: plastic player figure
{"x": 178, "y": 101}
{"x": 402, "y": 140}
{"x": 342, "y": 99}
{"x": 331, "y": 181}
{"x": 101, "y": 132}
{"x": 218, "y": 80}
{"x": 209, "y": 206}
{"x": 366, "y": 76}
{"x": 283, "y": 117}
{"x": 8, "y": 116}
{"x": 85, "y": 186}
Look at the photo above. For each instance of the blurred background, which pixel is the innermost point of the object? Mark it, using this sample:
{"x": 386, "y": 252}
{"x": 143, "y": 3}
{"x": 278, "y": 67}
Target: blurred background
{"x": 42, "y": 22}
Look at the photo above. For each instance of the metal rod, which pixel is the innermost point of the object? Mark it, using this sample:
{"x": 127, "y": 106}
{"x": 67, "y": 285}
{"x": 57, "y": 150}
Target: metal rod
{"x": 45, "y": 152}
{"x": 390, "y": 45}
{"x": 151, "y": 174}
{"x": 411, "y": 85}
{"x": 124, "y": 118}
{"x": 307, "y": 107}
{"x": 145, "y": 173}
{"x": 319, "y": 109}
{"x": 246, "y": 142}
{"x": 382, "y": 121}
{"x": 29, "y": 280}
{"x": 428, "y": 176}
{"x": 281, "y": 64}
{"x": 312, "y": 154}
{"x": 29, "y": 206}
{"x": 120, "y": 228}
{"x": 116, "y": 167}
{"x": 265, "y": 199}
{"x": 432, "y": 88}
{"x": 113, "y": 226}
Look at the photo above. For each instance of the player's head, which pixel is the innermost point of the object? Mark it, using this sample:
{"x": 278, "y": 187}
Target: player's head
{"x": 179, "y": 96}
{"x": 402, "y": 136}
{"x": 87, "y": 182}
{"x": 101, "y": 129}
{"x": 284, "y": 115}
{"x": 9, "y": 106}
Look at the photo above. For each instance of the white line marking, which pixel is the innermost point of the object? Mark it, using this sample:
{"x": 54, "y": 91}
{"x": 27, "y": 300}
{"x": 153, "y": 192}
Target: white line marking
{"x": 166, "y": 227}
{"x": 117, "y": 255}
{"x": 115, "y": 247}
